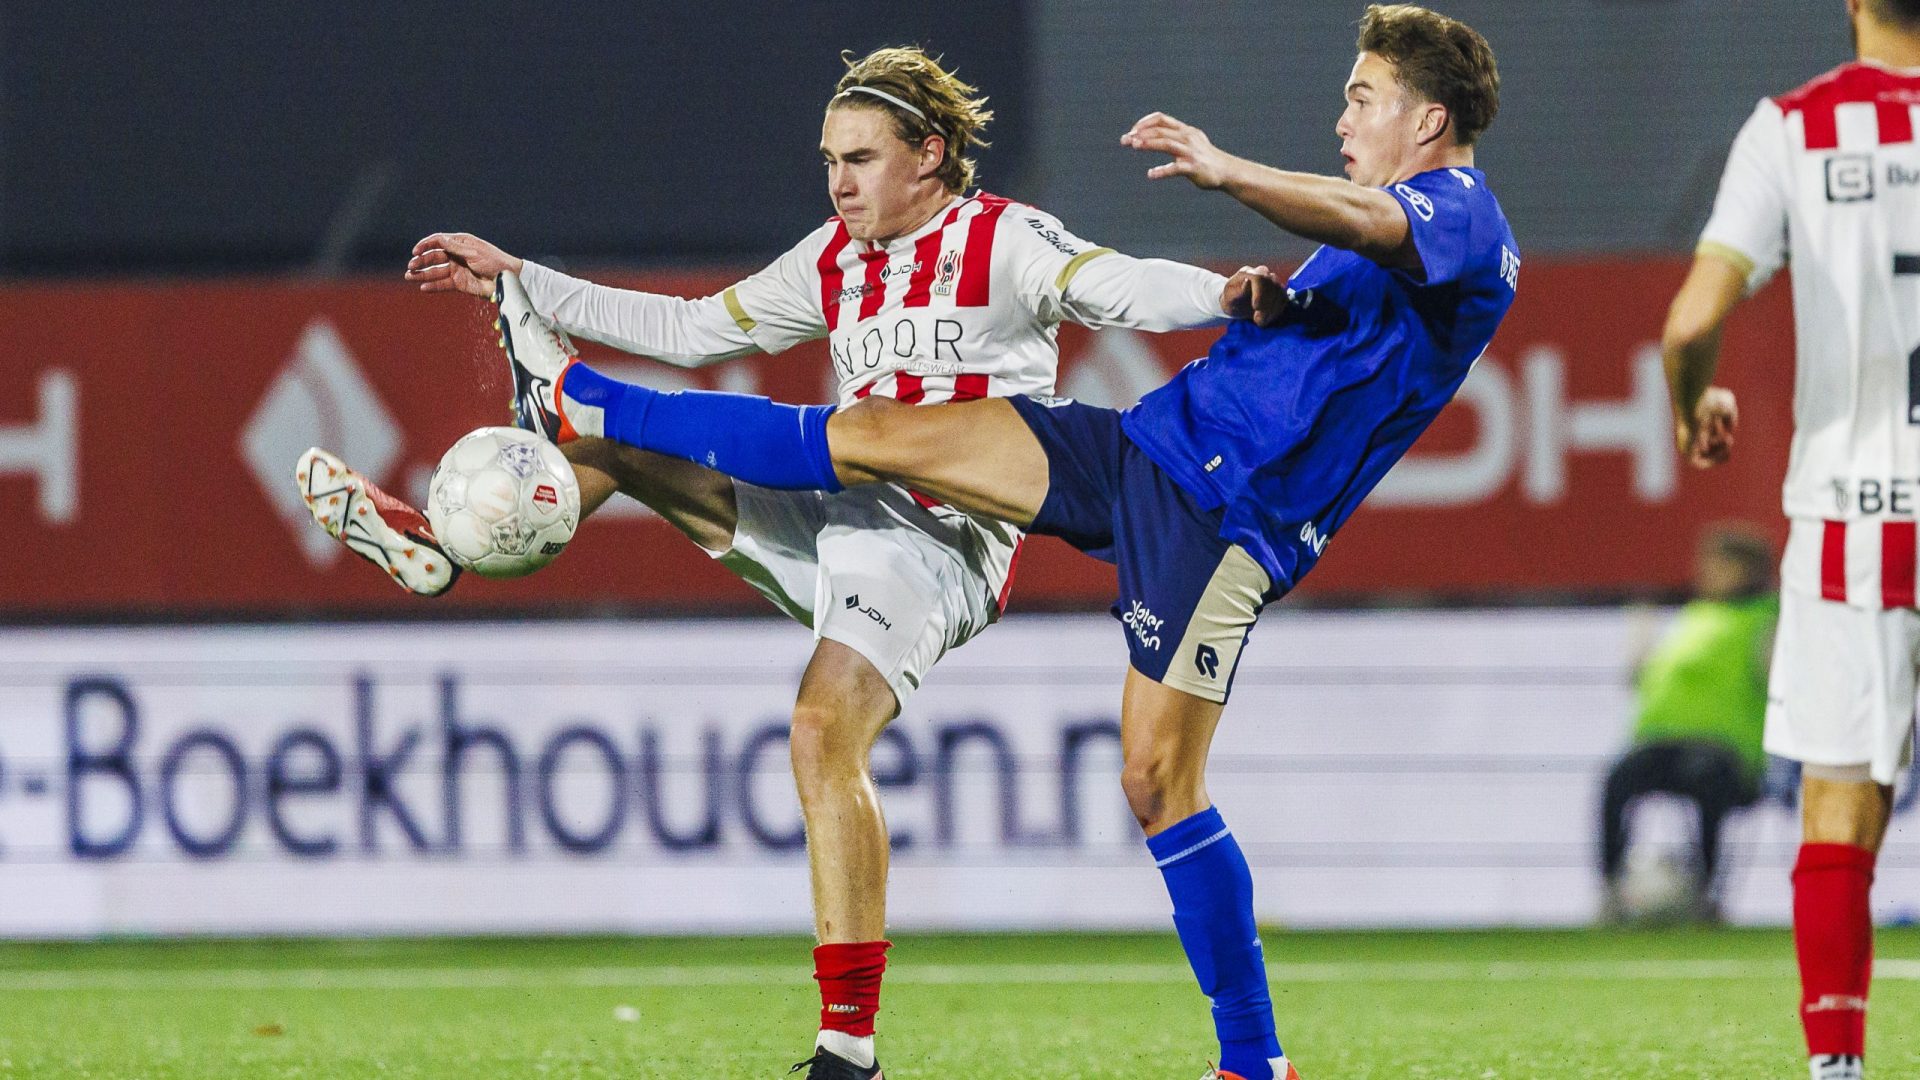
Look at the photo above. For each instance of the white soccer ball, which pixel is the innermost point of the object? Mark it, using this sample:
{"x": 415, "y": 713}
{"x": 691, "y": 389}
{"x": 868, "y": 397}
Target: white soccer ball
{"x": 503, "y": 502}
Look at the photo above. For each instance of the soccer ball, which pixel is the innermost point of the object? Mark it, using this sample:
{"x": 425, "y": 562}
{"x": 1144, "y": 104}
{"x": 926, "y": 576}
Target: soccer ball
{"x": 503, "y": 502}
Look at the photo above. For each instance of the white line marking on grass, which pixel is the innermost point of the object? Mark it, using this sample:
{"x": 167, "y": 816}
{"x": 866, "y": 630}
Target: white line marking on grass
{"x": 679, "y": 975}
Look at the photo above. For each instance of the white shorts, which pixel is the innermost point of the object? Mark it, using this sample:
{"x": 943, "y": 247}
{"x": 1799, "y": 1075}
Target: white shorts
{"x": 1842, "y": 686}
{"x": 873, "y": 569}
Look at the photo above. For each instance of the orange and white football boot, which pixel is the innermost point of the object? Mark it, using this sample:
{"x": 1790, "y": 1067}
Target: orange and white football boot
{"x": 373, "y": 524}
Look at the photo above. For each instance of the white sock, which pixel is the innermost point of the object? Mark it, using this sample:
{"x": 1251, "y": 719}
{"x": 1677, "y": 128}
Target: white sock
{"x": 1836, "y": 1067}
{"x": 859, "y": 1048}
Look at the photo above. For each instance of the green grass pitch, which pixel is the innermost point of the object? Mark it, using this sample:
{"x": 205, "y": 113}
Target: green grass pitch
{"x": 1352, "y": 1006}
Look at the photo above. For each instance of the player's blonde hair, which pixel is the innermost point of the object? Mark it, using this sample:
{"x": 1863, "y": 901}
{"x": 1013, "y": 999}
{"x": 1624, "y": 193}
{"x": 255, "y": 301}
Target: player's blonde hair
{"x": 947, "y": 105}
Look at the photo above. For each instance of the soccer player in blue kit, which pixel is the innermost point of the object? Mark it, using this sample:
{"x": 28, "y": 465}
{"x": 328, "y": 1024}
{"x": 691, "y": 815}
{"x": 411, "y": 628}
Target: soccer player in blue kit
{"x": 1220, "y": 490}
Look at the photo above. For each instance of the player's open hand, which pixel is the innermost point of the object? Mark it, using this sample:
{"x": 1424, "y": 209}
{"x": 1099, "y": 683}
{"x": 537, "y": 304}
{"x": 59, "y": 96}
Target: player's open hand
{"x": 1254, "y": 293}
{"x": 458, "y": 262}
{"x": 1194, "y": 155}
{"x": 1706, "y": 438}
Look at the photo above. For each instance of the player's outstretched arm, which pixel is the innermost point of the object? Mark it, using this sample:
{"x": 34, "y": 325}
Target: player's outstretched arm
{"x": 686, "y": 333}
{"x": 1704, "y": 416}
{"x": 1324, "y": 209}
{"x": 1158, "y": 295}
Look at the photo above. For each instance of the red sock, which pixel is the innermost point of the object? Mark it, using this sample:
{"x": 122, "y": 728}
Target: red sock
{"x": 849, "y": 977}
{"x": 1833, "y": 935}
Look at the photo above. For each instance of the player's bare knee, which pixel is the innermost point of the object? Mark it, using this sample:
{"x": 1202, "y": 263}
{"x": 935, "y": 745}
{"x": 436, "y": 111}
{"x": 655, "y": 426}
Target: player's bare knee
{"x": 1851, "y": 812}
{"x": 810, "y": 741}
{"x": 824, "y": 745}
{"x": 1154, "y": 786}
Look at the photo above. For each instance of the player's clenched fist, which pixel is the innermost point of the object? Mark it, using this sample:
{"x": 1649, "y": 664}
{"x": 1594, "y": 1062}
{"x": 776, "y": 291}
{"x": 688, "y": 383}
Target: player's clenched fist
{"x": 1706, "y": 438}
{"x": 1254, "y": 293}
{"x": 462, "y": 262}
{"x": 1194, "y": 155}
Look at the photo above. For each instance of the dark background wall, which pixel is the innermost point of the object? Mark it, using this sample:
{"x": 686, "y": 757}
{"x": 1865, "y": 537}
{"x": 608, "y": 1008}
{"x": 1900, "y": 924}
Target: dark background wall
{"x": 238, "y": 136}
{"x": 221, "y": 137}
{"x": 1615, "y": 115}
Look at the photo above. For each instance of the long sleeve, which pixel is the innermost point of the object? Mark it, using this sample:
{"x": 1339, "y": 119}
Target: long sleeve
{"x": 770, "y": 311}
{"x": 1143, "y": 294}
{"x": 1062, "y": 277}
{"x": 686, "y": 333}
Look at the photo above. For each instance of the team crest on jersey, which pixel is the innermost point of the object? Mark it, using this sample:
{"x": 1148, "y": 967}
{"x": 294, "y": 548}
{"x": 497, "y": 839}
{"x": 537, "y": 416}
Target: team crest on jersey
{"x": 944, "y": 272}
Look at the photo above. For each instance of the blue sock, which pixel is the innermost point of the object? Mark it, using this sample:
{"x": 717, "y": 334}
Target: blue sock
{"x": 760, "y": 441}
{"x": 1212, "y": 892}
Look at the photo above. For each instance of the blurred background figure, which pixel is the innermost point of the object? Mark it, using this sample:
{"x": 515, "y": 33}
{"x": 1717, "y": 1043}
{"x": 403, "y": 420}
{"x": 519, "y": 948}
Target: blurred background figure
{"x": 1702, "y": 702}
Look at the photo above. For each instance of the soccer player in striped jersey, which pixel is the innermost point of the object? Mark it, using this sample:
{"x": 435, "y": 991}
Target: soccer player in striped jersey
{"x": 1219, "y": 491}
{"x": 1827, "y": 178}
{"x": 926, "y": 292}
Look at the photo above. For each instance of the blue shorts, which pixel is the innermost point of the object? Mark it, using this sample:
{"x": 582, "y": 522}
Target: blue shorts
{"x": 1187, "y": 597}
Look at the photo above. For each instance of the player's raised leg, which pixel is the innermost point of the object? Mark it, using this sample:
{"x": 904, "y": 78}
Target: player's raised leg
{"x": 395, "y": 536}
{"x": 697, "y": 501}
{"x": 979, "y": 455}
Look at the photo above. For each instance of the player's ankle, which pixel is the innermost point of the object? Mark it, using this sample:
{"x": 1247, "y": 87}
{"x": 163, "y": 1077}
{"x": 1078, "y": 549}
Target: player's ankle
{"x": 855, "y": 1048}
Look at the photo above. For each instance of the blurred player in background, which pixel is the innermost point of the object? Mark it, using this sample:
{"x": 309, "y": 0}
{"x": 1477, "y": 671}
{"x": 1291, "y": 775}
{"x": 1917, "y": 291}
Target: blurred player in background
{"x": 1827, "y": 177}
{"x": 1702, "y": 700}
{"x": 1219, "y": 491}
{"x": 926, "y": 294}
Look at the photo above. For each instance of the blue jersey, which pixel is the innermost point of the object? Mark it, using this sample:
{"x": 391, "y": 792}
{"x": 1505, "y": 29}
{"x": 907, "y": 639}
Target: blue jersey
{"x": 1287, "y": 428}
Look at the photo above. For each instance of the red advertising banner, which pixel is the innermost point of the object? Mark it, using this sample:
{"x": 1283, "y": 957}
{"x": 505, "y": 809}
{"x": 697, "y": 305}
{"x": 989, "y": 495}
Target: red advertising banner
{"x": 147, "y": 451}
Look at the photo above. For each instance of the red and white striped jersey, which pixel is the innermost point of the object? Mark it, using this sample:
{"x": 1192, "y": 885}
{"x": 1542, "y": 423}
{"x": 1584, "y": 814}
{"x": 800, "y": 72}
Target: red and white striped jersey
{"x": 965, "y": 306}
{"x": 1827, "y": 178}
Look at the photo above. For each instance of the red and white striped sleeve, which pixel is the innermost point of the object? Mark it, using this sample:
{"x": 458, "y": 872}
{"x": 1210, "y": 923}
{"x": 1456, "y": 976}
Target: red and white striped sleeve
{"x": 1061, "y": 277}
{"x": 1749, "y": 223}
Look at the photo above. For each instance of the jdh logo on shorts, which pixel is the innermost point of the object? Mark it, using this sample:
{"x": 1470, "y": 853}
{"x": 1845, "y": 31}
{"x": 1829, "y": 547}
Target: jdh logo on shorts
{"x": 853, "y": 604}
